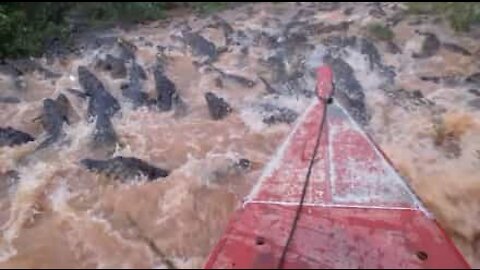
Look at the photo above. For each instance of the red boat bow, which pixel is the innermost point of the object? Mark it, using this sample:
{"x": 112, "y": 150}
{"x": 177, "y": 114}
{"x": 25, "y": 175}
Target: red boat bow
{"x": 357, "y": 211}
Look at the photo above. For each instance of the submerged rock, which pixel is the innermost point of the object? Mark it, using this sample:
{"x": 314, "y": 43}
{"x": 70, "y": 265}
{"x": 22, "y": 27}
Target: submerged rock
{"x": 124, "y": 168}
{"x": 199, "y": 45}
{"x": 166, "y": 90}
{"x": 348, "y": 90}
{"x": 100, "y": 100}
{"x": 115, "y": 66}
{"x": 13, "y": 137}
{"x": 473, "y": 78}
{"x": 54, "y": 114}
{"x": 273, "y": 114}
{"x": 217, "y": 106}
{"x": 456, "y": 49}
{"x": 133, "y": 89}
{"x": 430, "y": 46}
{"x": 9, "y": 100}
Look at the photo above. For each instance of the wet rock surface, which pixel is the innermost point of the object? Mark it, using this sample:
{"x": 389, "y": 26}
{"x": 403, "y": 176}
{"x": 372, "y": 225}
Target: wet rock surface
{"x": 115, "y": 66}
{"x": 457, "y": 49}
{"x": 133, "y": 89}
{"x": 54, "y": 115}
{"x": 12, "y": 137}
{"x": 124, "y": 168}
{"x": 166, "y": 90}
{"x": 348, "y": 89}
{"x": 145, "y": 91}
{"x": 217, "y": 106}
{"x": 200, "y": 46}
{"x": 430, "y": 46}
{"x": 100, "y": 100}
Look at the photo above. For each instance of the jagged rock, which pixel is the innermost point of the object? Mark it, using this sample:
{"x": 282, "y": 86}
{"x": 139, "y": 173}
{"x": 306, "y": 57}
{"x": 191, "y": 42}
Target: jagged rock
{"x": 474, "y": 78}
{"x": 115, "y": 66}
{"x": 13, "y": 137}
{"x": 100, "y": 100}
{"x": 124, "y": 168}
{"x": 348, "y": 90}
{"x": 217, "y": 106}
{"x": 273, "y": 114}
{"x": 166, "y": 90}
{"x": 430, "y": 46}
{"x": 456, "y": 49}
{"x": 393, "y": 48}
{"x": 54, "y": 114}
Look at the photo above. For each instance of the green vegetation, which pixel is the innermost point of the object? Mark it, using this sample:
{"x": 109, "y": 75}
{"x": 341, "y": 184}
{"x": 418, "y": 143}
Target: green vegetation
{"x": 380, "y": 32}
{"x": 208, "y": 7}
{"x": 460, "y": 15}
{"x": 26, "y": 28}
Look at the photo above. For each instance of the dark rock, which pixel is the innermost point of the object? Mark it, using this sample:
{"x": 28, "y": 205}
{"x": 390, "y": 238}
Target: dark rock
{"x": 349, "y": 11}
{"x": 200, "y": 46}
{"x": 138, "y": 71}
{"x": 100, "y": 101}
{"x": 126, "y": 50}
{"x": 275, "y": 115}
{"x": 244, "y": 50}
{"x": 430, "y": 46}
{"x": 226, "y": 28}
{"x": 321, "y": 28}
{"x": 77, "y": 93}
{"x": 268, "y": 87}
{"x": 475, "y": 103}
{"x": 409, "y": 100}
{"x": 13, "y": 137}
{"x": 166, "y": 90}
{"x": 447, "y": 80}
{"x": 240, "y": 80}
{"x": 133, "y": 90}
{"x": 218, "y": 82}
{"x": 9, "y": 100}
{"x": 348, "y": 90}
{"x": 341, "y": 41}
{"x": 124, "y": 168}
{"x": 26, "y": 66}
{"x": 377, "y": 11}
{"x": 396, "y": 18}
{"x": 327, "y": 6}
{"x": 54, "y": 114}
{"x": 244, "y": 82}
{"x": 474, "y": 78}
{"x": 115, "y": 66}
{"x": 370, "y": 50}
{"x": 217, "y": 106}
{"x": 475, "y": 92}
{"x": 104, "y": 134}
{"x": 8, "y": 180}
{"x": 393, "y": 48}
{"x": 265, "y": 40}
{"x": 243, "y": 164}
{"x": 277, "y": 63}
{"x": 456, "y": 48}
{"x": 434, "y": 79}
{"x": 449, "y": 144}
{"x": 180, "y": 107}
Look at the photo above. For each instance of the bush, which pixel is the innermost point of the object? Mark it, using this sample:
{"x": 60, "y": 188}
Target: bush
{"x": 461, "y": 15}
{"x": 26, "y": 27}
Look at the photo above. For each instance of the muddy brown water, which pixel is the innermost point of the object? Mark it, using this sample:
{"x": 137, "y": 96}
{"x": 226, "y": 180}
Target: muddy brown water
{"x": 58, "y": 214}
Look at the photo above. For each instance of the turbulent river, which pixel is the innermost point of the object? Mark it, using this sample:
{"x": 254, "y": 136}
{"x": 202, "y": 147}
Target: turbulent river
{"x": 133, "y": 149}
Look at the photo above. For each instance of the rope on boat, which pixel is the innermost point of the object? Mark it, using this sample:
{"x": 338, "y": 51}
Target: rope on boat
{"x": 325, "y": 101}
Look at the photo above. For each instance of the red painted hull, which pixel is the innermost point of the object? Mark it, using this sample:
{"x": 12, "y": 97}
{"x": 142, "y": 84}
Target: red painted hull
{"x": 357, "y": 211}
